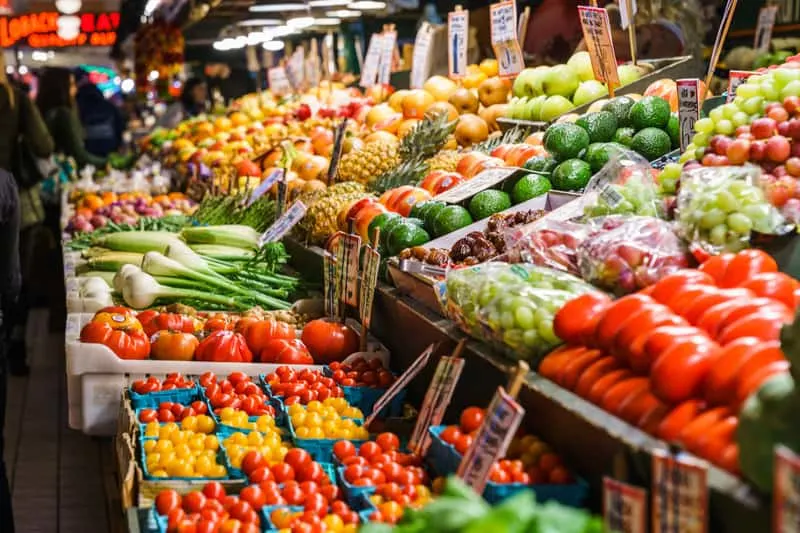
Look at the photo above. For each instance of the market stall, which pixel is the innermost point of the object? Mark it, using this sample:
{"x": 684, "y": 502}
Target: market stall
{"x": 510, "y": 298}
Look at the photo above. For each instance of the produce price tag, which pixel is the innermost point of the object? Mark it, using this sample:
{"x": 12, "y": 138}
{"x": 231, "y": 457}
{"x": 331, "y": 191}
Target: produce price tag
{"x": 336, "y": 156}
{"x": 766, "y": 21}
{"x": 623, "y": 13}
{"x": 491, "y": 442}
{"x": 265, "y": 185}
{"x": 786, "y": 491}
{"x": 437, "y": 398}
{"x": 504, "y": 38}
{"x": 285, "y": 223}
{"x": 404, "y": 379}
{"x": 388, "y": 48}
{"x": 278, "y": 81}
{"x": 420, "y": 60}
{"x": 352, "y": 246}
{"x": 680, "y": 494}
{"x": 736, "y": 78}
{"x": 624, "y": 507}
{"x": 597, "y": 34}
{"x": 688, "y": 108}
{"x": 329, "y": 284}
{"x": 457, "y": 43}
{"x": 369, "y": 280}
{"x": 487, "y": 178}
{"x": 369, "y": 70}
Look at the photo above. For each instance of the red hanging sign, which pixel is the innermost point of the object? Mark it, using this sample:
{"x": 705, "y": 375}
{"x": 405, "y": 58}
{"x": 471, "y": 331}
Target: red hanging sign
{"x": 40, "y": 30}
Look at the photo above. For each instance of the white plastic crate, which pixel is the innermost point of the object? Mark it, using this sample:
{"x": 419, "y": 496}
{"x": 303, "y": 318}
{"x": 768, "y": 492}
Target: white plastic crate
{"x": 96, "y": 376}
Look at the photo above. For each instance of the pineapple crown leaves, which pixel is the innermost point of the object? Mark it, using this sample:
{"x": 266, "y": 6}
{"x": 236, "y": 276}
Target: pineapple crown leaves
{"x": 406, "y": 173}
{"x": 515, "y": 135}
{"x": 427, "y": 137}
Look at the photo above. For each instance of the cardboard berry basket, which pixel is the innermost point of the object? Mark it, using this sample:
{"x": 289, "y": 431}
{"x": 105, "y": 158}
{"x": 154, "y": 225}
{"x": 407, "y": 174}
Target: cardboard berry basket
{"x": 96, "y": 376}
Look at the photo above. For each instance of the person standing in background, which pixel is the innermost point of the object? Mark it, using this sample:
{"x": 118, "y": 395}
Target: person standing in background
{"x": 23, "y": 121}
{"x": 102, "y": 121}
{"x": 193, "y": 101}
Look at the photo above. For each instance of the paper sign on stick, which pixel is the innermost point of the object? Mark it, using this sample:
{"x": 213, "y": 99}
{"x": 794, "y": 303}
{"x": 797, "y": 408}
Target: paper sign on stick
{"x": 688, "y": 109}
{"x": 457, "y": 43}
{"x": 402, "y": 382}
{"x": 437, "y": 398}
{"x": 679, "y": 493}
{"x": 504, "y": 38}
{"x": 597, "y": 34}
{"x": 624, "y": 507}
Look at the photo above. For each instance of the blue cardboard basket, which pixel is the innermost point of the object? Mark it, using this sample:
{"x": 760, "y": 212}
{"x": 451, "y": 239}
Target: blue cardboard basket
{"x": 573, "y": 494}
{"x": 354, "y": 495}
{"x": 276, "y": 403}
{"x": 152, "y": 400}
{"x": 443, "y": 457}
{"x": 222, "y": 458}
{"x": 365, "y": 397}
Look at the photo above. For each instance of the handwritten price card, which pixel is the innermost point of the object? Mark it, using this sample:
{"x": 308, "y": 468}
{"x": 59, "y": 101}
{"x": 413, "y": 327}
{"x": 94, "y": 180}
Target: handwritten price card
{"x": 369, "y": 71}
{"x": 457, "y": 43}
{"x": 786, "y": 492}
{"x": 597, "y": 34}
{"x": 680, "y": 494}
{"x": 388, "y": 49}
{"x": 736, "y": 78}
{"x": 504, "y": 38}
{"x": 420, "y": 61}
{"x": 688, "y": 109}
{"x": 437, "y": 398}
{"x": 624, "y": 507}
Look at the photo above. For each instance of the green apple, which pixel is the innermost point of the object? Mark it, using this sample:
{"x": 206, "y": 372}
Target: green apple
{"x": 581, "y": 63}
{"x": 560, "y": 80}
{"x": 628, "y": 74}
{"x": 524, "y": 84}
{"x": 533, "y": 109}
{"x": 589, "y": 91}
{"x": 555, "y": 106}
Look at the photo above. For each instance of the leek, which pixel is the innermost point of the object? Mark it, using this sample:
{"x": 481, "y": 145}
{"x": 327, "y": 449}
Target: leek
{"x": 223, "y": 252}
{"x": 113, "y": 261}
{"x": 122, "y": 275}
{"x": 228, "y": 235}
{"x": 141, "y": 290}
{"x": 184, "y": 255}
{"x": 137, "y": 241}
{"x": 108, "y": 277}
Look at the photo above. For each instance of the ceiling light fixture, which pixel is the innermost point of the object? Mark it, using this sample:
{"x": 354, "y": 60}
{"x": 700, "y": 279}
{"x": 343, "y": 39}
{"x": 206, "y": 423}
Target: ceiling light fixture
{"x": 274, "y": 46}
{"x": 327, "y": 21}
{"x": 328, "y": 3}
{"x": 282, "y": 31}
{"x": 69, "y": 27}
{"x": 277, "y": 8}
{"x": 343, "y": 13}
{"x": 366, "y": 5}
{"x": 300, "y": 22}
{"x": 257, "y": 37}
{"x": 261, "y": 22}
{"x": 68, "y": 7}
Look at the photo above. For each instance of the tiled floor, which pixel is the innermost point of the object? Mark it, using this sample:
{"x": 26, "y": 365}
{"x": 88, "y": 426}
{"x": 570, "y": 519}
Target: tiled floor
{"x": 58, "y": 475}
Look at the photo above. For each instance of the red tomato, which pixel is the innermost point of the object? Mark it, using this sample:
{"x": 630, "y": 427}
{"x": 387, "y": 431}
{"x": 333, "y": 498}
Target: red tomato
{"x": 621, "y": 392}
{"x": 665, "y": 337}
{"x": 329, "y": 341}
{"x": 471, "y": 419}
{"x": 251, "y": 461}
{"x": 574, "y": 323}
{"x": 626, "y": 349}
{"x": 292, "y": 494}
{"x": 285, "y": 352}
{"x": 194, "y": 502}
{"x": 671, "y": 283}
{"x": 593, "y": 372}
{"x": 615, "y": 316}
{"x": 154, "y": 322}
{"x": 344, "y": 449}
{"x": 224, "y": 346}
{"x": 148, "y": 415}
{"x": 553, "y": 363}
{"x": 125, "y": 343}
{"x": 297, "y": 458}
{"x": 685, "y": 295}
{"x": 696, "y": 308}
{"x": 259, "y": 333}
{"x": 253, "y": 495}
{"x": 598, "y": 390}
{"x": 282, "y": 472}
{"x": 678, "y": 374}
{"x": 747, "y": 264}
{"x": 573, "y": 369}
{"x": 173, "y": 346}
{"x": 166, "y": 501}
{"x": 311, "y": 471}
{"x": 317, "y": 504}
{"x": 241, "y": 510}
{"x": 716, "y": 266}
{"x": 369, "y": 449}
{"x": 672, "y": 425}
{"x": 752, "y": 383}
{"x": 766, "y": 326}
{"x": 463, "y": 443}
{"x": 775, "y": 285}
{"x": 353, "y": 472}
{"x": 214, "y": 490}
{"x": 388, "y": 442}
{"x": 450, "y": 434}
{"x": 693, "y": 432}
{"x": 720, "y": 385}
{"x": 713, "y": 317}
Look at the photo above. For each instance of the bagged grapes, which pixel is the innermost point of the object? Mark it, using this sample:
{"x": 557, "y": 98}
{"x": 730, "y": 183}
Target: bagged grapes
{"x": 510, "y": 306}
{"x": 548, "y": 243}
{"x": 630, "y": 253}
{"x": 626, "y": 185}
{"x": 718, "y": 208}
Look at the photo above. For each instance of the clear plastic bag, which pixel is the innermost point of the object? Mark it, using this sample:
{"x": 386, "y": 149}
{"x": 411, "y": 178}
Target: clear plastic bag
{"x": 510, "y": 306}
{"x": 548, "y": 243}
{"x": 630, "y": 253}
{"x": 626, "y": 185}
{"x": 718, "y": 208}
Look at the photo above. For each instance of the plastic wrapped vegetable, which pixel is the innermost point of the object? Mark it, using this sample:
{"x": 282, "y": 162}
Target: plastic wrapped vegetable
{"x": 630, "y": 253}
{"x": 511, "y": 306}
{"x": 549, "y": 243}
{"x": 719, "y": 207}
{"x": 625, "y": 186}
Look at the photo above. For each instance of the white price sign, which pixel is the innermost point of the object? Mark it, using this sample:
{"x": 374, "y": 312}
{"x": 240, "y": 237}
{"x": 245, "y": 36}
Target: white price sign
{"x": 483, "y": 180}
{"x": 688, "y": 108}
{"x": 352, "y": 247}
{"x": 624, "y": 507}
{"x": 401, "y": 383}
{"x": 504, "y": 38}
{"x": 766, "y": 21}
{"x": 278, "y": 81}
{"x": 457, "y": 43}
{"x": 265, "y": 185}
{"x": 625, "y": 18}
{"x": 388, "y": 46}
{"x": 420, "y": 61}
{"x": 680, "y": 494}
{"x": 285, "y": 223}
{"x": 369, "y": 71}
{"x": 597, "y": 34}
{"x": 437, "y": 398}
{"x": 786, "y": 491}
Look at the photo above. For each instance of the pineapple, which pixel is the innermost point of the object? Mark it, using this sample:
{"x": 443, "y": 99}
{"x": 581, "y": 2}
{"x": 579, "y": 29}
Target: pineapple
{"x": 366, "y": 164}
{"x": 426, "y": 138}
{"x": 445, "y": 160}
{"x": 323, "y": 207}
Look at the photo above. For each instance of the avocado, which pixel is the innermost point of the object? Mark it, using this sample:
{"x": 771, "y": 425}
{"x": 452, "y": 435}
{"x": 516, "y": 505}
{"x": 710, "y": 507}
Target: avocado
{"x": 571, "y": 175}
{"x": 620, "y": 107}
{"x": 565, "y": 140}
{"x": 488, "y": 202}
{"x": 529, "y": 186}
{"x": 624, "y": 136}
{"x": 600, "y": 126}
{"x": 650, "y": 112}
{"x": 652, "y": 143}
{"x": 450, "y": 219}
{"x": 405, "y": 235}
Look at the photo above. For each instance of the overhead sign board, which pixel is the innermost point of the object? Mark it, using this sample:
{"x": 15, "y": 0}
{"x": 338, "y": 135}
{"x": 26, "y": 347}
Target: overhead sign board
{"x": 40, "y": 30}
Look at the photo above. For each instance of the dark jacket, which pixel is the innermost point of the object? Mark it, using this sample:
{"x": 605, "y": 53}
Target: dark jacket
{"x": 65, "y": 127}
{"x": 102, "y": 121}
{"x": 21, "y": 118}
{"x": 10, "y": 276}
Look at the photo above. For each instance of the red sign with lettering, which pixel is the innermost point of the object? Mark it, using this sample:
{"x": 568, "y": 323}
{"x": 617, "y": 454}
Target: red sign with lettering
{"x": 40, "y": 30}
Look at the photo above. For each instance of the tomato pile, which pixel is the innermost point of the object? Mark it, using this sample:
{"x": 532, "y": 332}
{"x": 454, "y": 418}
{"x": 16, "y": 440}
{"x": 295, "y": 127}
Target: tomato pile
{"x": 302, "y": 386}
{"x": 361, "y": 372}
{"x": 333, "y": 418}
{"x": 237, "y": 392}
{"x": 153, "y": 384}
{"x": 208, "y": 511}
{"x": 172, "y": 412}
{"x": 679, "y": 358}
{"x": 185, "y": 453}
{"x": 379, "y": 462}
